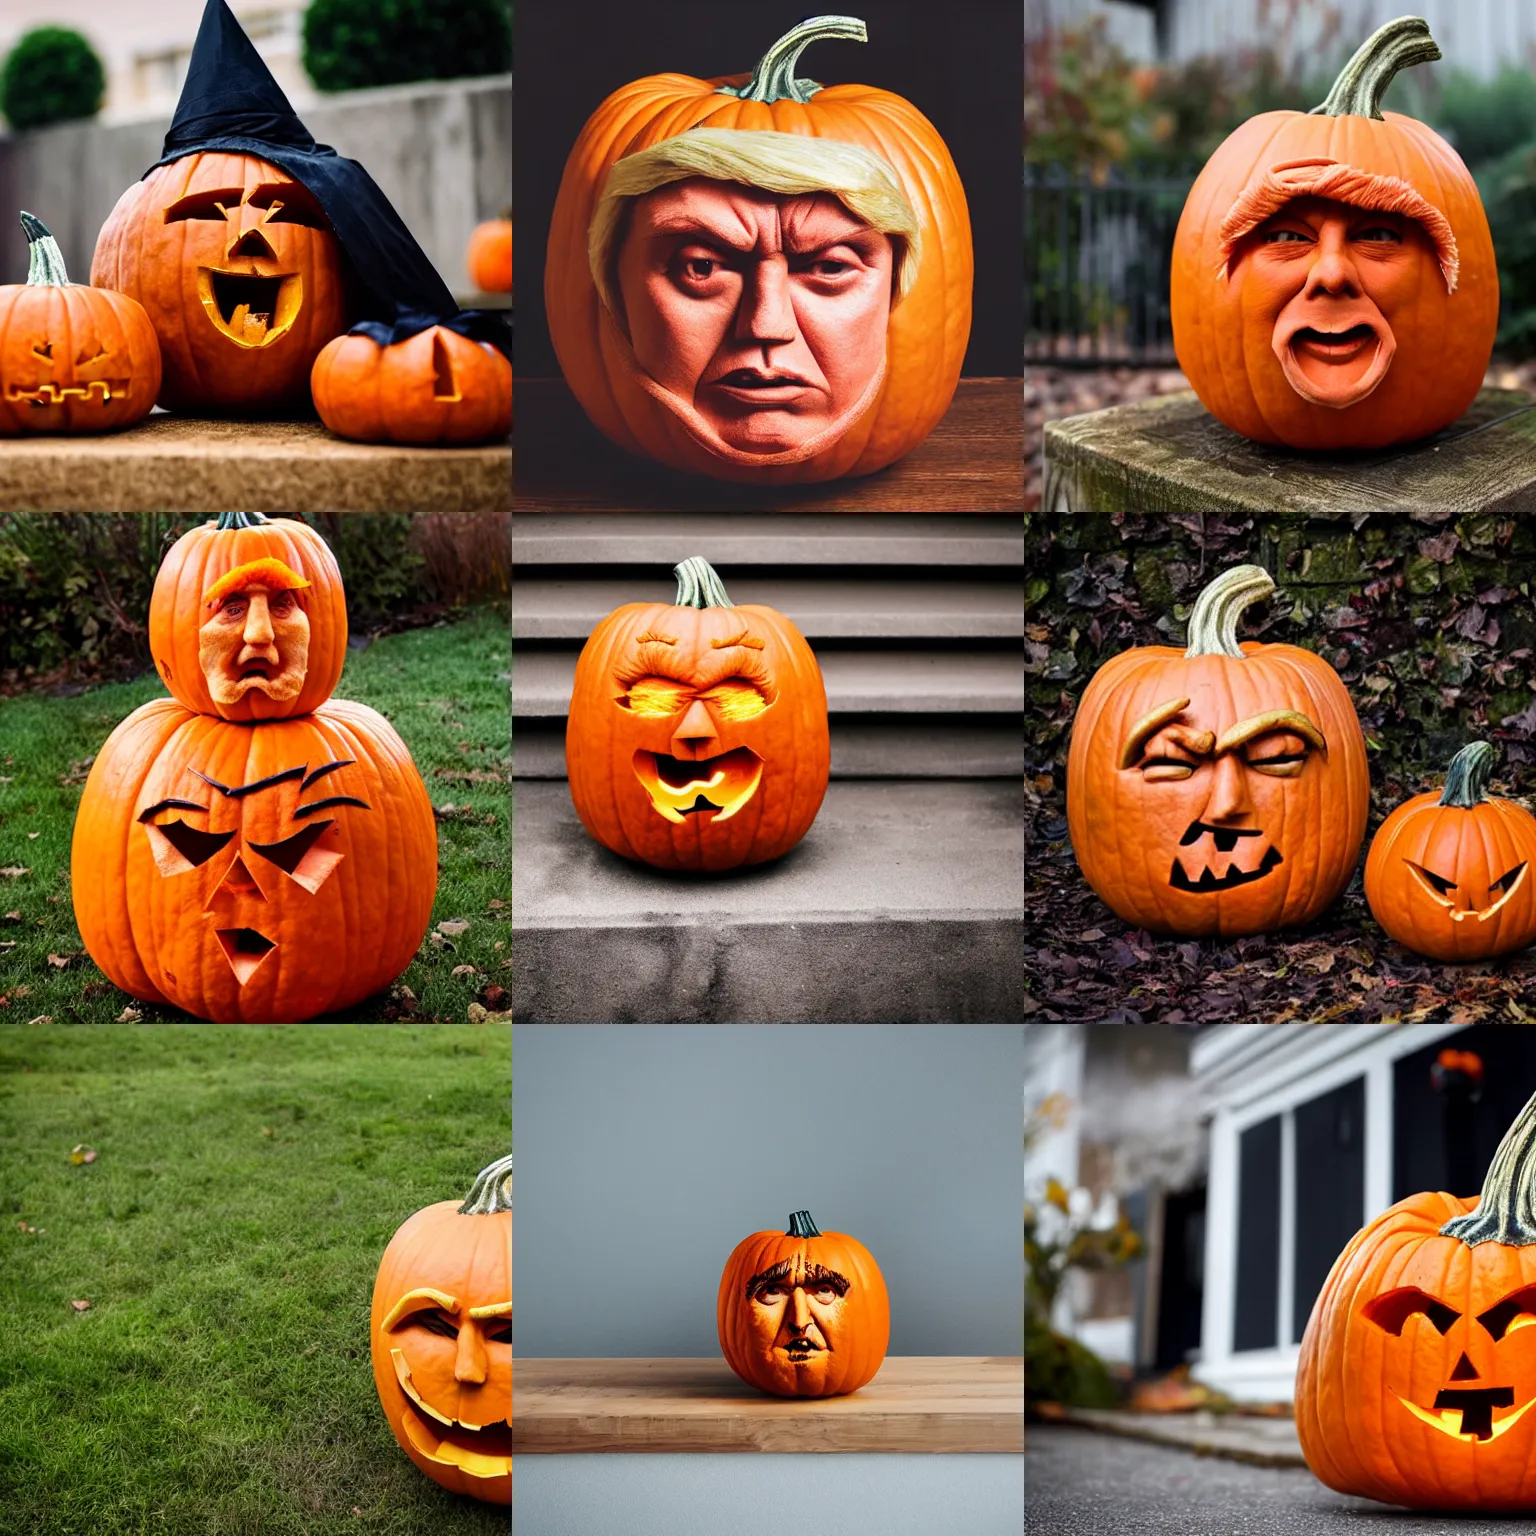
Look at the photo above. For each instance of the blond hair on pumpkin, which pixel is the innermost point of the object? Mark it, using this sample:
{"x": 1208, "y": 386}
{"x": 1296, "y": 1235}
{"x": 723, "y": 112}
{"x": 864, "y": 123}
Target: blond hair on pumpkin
{"x": 788, "y": 164}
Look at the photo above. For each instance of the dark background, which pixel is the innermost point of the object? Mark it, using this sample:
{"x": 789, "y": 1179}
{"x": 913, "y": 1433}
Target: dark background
{"x": 961, "y": 67}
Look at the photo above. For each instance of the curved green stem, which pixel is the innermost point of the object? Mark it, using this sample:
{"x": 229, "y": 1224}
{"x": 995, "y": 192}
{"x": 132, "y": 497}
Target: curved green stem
{"x": 491, "y": 1191}
{"x": 774, "y": 77}
{"x": 1364, "y": 80}
{"x": 1213, "y": 624}
{"x": 46, "y": 264}
{"x": 801, "y": 1225}
{"x": 699, "y": 585}
{"x": 241, "y": 519}
{"x": 1507, "y": 1212}
{"x": 1466, "y": 780}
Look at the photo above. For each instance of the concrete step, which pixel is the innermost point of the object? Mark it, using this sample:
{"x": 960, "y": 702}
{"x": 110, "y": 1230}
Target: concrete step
{"x": 911, "y": 608}
{"x": 904, "y": 682}
{"x": 904, "y": 902}
{"x": 736, "y": 539}
{"x": 944, "y": 748}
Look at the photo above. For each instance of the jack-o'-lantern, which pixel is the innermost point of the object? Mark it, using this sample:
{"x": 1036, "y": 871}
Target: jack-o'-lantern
{"x": 803, "y": 1313}
{"x": 1222, "y": 789}
{"x": 435, "y": 387}
{"x": 1449, "y": 874}
{"x": 440, "y": 1335}
{"x": 248, "y": 618}
{"x": 76, "y": 359}
{"x": 253, "y": 872}
{"x": 236, "y": 265}
{"x": 1418, "y": 1366}
{"x": 1333, "y": 281}
{"x": 697, "y": 736}
{"x": 760, "y": 278}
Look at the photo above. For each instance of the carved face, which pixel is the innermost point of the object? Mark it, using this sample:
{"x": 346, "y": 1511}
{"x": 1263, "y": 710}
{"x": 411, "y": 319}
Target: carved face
{"x": 761, "y": 318}
{"x": 257, "y": 638}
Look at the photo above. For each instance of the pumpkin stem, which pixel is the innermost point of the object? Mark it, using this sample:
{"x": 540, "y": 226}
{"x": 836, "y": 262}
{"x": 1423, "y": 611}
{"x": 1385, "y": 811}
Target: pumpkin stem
{"x": 46, "y": 268}
{"x": 1506, "y": 1214}
{"x": 1364, "y": 80}
{"x": 774, "y": 77}
{"x": 699, "y": 585}
{"x": 1213, "y": 624}
{"x": 229, "y": 520}
{"x": 801, "y": 1225}
{"x": 491, "y": 1191}
{"x": 1466, "y": 780}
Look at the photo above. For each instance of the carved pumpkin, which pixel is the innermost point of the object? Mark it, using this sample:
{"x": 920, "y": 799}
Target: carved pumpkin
{"x": 928, "y": 322}
{"x": 1222, "y": 789}
{"x": 266, "y": 872}
{"x": 236, "y": 265}
{"x": 803, "y": 1313}
{"x": 440, "y": 1335}
{"x": 1333, "y": 281}
{"x": 1418, "y": 1366}
{"x": 1449, "y": 874}
{"x": 286, "y": 669}
{"x": 76, "y": 359}
{"x": 490, "y": 256}
{"x": 435, "y": 387}
{"x": 697, "y": 736}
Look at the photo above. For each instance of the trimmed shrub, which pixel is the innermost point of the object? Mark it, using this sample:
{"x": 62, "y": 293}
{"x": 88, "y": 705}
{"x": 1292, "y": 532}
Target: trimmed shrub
{"x": 352, "y": 44}
{"x": 52, "y": 75}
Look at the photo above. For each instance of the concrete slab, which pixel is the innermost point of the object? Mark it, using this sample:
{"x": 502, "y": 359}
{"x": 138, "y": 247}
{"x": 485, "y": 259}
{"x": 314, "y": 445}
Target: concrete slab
{"x": 1261, "y": 1442}
{"x": 179, "y": 464}
{"x": 863, "y": 682}
{"x": 903, "y": 903}
{"x": 884, "y": 608}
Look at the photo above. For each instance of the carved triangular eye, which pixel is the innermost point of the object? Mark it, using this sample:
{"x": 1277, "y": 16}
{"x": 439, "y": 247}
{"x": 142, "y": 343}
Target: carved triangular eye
{"x": 299, "y": 857}
{"x": 87, "y": 356}
{"x": 1506, "y": 881}
{"x": 1440, "y": 883}
{"x": 1392, "y": 1310}
{"x": 1510, "y": 1315}
{"x": 179, "y": 847}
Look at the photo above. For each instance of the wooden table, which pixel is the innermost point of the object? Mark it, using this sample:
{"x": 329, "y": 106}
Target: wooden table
{"x": 973, "y": 461}
{"x": 1169, "y": 455}
{"x": 916, "y": 1403}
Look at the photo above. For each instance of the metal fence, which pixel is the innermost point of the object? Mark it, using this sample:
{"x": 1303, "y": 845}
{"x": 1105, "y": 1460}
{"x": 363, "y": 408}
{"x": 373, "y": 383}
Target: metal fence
{"x": 1096, "y": 260}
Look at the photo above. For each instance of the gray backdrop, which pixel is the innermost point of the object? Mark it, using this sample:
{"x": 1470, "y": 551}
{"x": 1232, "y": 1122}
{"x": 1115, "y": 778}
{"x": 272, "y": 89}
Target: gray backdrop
{"x": 645, "y": 1153}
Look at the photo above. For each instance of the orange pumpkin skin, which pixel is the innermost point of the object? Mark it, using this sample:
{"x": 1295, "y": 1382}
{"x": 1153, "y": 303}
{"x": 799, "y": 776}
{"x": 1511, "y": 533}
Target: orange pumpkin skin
{"x": 490, "y": 256}
{"x": 1443, "y": 339}
{"x": 1449, "y": 875}
{"x": 434, "y": 387}
{"x": 773, "y": 709}
{"x": 464, "y": 1251}
{"x": 187, "y": 242}
{"x": 1376, "y": 1359}
{"x": 927, "y": 332}
{"x": 177, "y": 611}
{"x": 850, "y": 1324}
{"x": 76, "y": 359}
{"x": 245, "y": 911}
{"x": 1149, "y": 838}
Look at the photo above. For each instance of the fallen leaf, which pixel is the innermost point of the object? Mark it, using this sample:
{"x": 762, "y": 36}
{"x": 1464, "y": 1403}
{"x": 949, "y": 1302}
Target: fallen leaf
{"x": 129, "y": 1016}
{"x": 42, "y": 1018}
{"x": 464, "y": 970}
{"x": 22, "y": 1226}
{"x": 1091, "y": 935}
{"x": 495, "y": 998}
{"x": 13, "y": 917}
{"x": 495, "y": 904}
{"x": 452, "y": 928}
{"x": 478, "y": 1014}
{"x": 58, "y": 962}
{"x": 267, "y": 1130}
{"x": 81, "y": 1306}
{"x": 82, "y": 1154}
{"x": 31, "y": 835}
{"x": 14, "y": 872}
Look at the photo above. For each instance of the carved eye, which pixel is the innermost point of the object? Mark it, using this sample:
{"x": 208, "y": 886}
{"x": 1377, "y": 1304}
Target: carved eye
{"x": 1510, "y": 1315}
{"x": 292, "y": 204}
{"x": 1506, "y": 881}
{"x": 498, "y": 1330}
{"x": 1392, "y": 1310}
{"x": 1160, "y": 769}
{"x": 179, "y": 847}
{"x": 87, "y": 357}
{"x": 205, "y": 205}
{"x": 1281, "y": 754}
{"x": 436, "y": 1321}
{"x": 737, "y": 699}
{"x": 299, "y": 856}
{"x": 654, "y": 697}
{"x": 1439, "y": 882}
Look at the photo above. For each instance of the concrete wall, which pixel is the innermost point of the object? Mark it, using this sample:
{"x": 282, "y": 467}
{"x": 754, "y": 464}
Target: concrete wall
{"x": 441, "y": 150}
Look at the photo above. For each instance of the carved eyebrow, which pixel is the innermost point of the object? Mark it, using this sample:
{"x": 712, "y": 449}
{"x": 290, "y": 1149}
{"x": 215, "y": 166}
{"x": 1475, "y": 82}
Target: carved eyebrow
{"x": 172, "y": 805}
{"x": 1147, "y": 727}
{"x": 250, "y": 789}
{"x": 689, "y": 224}
{"x": 325, "y": 805}
{"x": 651, "y": 635}
{"x": 1275, "y": 720}
{"x": 815, "y": 1274}
{"x": 415, "y": 1301}
{"x": 496, "y": 1309}
{"x": 323, "y": 769}
{"x": 751, "y": 643}
{"x": 1393, "y": 1310}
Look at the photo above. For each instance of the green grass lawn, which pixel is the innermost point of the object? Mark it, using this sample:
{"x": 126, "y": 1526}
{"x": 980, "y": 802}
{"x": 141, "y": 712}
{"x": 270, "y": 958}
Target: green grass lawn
{"x": 444, "y": 689}
{"x": 227, "y": 1237}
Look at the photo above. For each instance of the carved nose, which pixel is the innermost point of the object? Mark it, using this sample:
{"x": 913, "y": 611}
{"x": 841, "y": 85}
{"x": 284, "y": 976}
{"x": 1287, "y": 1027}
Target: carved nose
{"x": 1465, "y": 1371}
{"x": 253, "y": 243}
{"x": 238, "y": 881}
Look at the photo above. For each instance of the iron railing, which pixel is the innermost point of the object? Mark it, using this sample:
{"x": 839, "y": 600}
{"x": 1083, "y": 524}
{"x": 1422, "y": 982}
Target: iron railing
{"x": 1096, "y": 261}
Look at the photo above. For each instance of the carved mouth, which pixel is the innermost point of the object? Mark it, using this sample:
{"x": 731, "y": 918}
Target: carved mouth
{"x": 477, "y": 1450}
{"x": 1234, "y": 877}
{"x": 41, "y": 396}
{"x": 802, "y": 1349}
{"x": 680, "y": 788}
{"x": 1333, "y": 346}
{"x": 253, "y": 310}
{"x": 1340, "y": 365}
{"x": 1435, "y": 887}
{"x": 245, "y": 949}
{"x": 1467, "y": 1413}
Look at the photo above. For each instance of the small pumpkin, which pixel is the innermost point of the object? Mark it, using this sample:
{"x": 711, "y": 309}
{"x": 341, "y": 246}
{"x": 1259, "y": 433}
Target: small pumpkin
{"x": 440, "y": 1337}
{"x": 1333, "y": 280}
{"x": 242, "y": 278}
{"x": 697, "y": 736}
{"x": 803, "y": 1313}
{"x": 1222, "y": 789}
{"x": 253, "y": 872}
{"x": 1418, "y": 1366}
{"x": 878, "y": 151}
{"x": 1449, "y": 875}
{"x": 434, "y": 387}
{"x": 75, "y": 359}
{"x": 216, "y": 662}
{"x": 489, "y": 257}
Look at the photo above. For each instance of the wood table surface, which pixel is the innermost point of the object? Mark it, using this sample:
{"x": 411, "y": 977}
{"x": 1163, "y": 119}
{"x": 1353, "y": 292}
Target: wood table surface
{"x": 973, "y": 461}
{"x": 915, "y": 1404}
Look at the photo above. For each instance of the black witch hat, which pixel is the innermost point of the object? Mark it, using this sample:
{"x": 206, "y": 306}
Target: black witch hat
{"x": 231, "y": 102}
